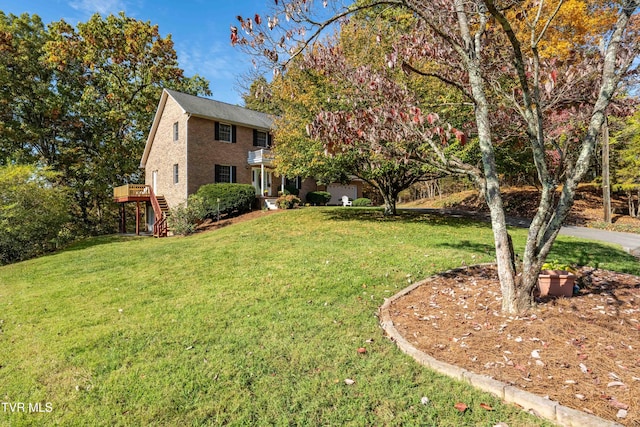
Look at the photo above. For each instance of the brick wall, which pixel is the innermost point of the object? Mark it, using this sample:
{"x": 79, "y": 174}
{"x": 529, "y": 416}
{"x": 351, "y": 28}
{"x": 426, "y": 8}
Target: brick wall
{"x": 166, "y": 152}
{"x": 205, "y": 152}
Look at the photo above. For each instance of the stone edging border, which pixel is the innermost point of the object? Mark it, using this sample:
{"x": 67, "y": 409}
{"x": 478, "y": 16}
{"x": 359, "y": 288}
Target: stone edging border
{"x": 545, "y": 408}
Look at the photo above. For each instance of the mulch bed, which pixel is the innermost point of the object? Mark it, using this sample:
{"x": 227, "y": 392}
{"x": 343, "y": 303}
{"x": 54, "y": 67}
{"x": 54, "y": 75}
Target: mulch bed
{"x": 581, "y": 351}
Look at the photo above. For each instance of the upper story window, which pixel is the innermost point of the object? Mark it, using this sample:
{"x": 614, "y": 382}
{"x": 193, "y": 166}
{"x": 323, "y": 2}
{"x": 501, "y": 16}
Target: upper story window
{"x": 176, "y": 174}
{"x": 175, "y": 131}
{"x": 261, "y": 139}
{"x": 225, "y": 132}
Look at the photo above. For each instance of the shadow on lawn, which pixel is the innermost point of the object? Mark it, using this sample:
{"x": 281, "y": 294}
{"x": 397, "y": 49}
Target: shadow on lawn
{"x": 581, "y": 253}
{"x": 403, "y": 216}
{"x": 90, "y": 242}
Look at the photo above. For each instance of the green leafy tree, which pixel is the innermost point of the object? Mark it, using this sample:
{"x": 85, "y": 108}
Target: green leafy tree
{"x": 259, "y": 97}
{"x": 389, "y": 166}
{"x": 626, "y": 143}
{"x": 80, "y": 101}
{"x": 111, "y": 72}
{"x": 33, "y": 212}
{"x": 30, "y": 111}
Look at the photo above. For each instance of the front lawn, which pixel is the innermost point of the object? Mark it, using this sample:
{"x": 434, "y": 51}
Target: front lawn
{"x": 258, "y": 323}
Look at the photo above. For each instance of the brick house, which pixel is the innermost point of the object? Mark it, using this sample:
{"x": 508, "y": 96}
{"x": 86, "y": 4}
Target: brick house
{"x": 195, "y": 141}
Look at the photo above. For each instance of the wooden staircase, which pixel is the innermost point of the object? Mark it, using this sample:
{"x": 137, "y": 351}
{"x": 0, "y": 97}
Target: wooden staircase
{"x": 161, "y": 211}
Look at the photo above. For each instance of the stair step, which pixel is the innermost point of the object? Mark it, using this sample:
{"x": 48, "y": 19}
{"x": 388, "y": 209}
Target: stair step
{"x": 162, "y": 202}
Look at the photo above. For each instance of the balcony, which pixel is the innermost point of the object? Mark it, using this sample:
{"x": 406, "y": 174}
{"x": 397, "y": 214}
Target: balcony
{"x": 261, "y": 157}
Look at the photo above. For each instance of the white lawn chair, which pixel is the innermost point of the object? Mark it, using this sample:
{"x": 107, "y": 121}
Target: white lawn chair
{"x": 346, "y": 201}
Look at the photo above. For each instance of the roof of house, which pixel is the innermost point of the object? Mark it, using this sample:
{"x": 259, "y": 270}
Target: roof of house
{"x": 208, "y": 109}
{"x": 211, "y": 109}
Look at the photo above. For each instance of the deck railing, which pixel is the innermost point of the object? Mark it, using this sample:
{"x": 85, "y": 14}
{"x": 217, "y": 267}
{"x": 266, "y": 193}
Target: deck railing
{"x": 131, "y": 190}
{"x": 260, "y": 156}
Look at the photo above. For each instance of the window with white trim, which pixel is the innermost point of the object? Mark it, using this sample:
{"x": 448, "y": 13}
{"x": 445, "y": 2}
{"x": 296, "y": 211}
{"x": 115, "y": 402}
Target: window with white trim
{"x": 294, "y": 182}
{"x": 224, "y": 132}
{"x": 225, "y": 173}
{"x": 262, "y": 139}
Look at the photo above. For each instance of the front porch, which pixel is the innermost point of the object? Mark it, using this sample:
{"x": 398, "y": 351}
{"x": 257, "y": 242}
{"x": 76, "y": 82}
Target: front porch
{"x": 263, "y": 179}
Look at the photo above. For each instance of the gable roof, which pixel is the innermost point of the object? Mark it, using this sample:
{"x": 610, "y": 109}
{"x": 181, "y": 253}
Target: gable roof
{"x": 211, "y": 109}
{"x": 208, "y": 109}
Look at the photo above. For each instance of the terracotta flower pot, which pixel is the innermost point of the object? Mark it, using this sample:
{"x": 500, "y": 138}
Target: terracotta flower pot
{"x": 557, "y": 283}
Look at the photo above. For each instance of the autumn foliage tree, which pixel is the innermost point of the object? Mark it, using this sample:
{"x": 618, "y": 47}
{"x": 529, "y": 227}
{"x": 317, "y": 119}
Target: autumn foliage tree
{"x": 480, "y": 48}
{"x": 80, "y": 99}
{"x": 388, "y": 159}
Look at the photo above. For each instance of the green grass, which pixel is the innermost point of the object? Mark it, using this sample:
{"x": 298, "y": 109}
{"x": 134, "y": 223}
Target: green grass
{"x": 254, "y": 324}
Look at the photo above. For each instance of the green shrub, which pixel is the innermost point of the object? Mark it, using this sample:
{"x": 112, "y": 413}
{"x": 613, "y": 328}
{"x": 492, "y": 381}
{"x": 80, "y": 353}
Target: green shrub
{"x": 33, "y": 212}
{"x": 288, "y": 201}
{"x": 362, "y": 201}
{"x": 226, "y": 199}
{"x": 185, "y": 218}
{"x": 291, "y": 189}
{"x": 318, "y": 197}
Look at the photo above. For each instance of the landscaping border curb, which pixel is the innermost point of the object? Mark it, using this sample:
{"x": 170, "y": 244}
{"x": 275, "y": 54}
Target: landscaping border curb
{"x": 539, "y": 406}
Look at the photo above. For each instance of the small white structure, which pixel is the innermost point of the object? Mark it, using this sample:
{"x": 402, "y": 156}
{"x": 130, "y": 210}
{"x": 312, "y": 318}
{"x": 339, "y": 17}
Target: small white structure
{"x": 346, "y": 201}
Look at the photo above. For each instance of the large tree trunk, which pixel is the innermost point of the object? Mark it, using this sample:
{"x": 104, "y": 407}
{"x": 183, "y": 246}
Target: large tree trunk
{"x": 502, "y": 240}
{"x": 389, "y": 203}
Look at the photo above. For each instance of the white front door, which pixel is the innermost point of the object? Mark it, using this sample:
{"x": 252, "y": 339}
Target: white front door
{"x": 262, "y": 186}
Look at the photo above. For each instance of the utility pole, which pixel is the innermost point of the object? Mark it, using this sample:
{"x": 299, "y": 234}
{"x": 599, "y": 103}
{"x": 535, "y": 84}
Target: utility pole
{"x": 606, "y": 181}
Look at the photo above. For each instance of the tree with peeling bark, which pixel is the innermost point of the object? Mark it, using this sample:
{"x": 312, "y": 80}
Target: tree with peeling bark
{"x": 481, "y": 48}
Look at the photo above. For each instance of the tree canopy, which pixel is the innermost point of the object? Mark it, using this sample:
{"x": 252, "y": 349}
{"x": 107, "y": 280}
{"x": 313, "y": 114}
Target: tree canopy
{"x": 494, "y": 54}
{"x": 80, "y": 101}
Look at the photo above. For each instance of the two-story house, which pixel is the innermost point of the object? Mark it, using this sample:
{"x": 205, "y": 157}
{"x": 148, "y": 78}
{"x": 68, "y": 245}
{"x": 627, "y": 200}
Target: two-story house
{"x": 195, "y": 141}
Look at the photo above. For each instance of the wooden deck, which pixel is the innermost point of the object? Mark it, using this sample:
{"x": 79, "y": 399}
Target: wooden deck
{"x": 132, "y": 193}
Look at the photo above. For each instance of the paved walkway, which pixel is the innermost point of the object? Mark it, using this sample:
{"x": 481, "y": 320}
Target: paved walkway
{"x": 630, "y": 242}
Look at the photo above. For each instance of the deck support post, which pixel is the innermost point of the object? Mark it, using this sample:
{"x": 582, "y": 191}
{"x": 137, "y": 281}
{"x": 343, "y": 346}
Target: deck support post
{"x": 137, "y": 218}
{"x": 123, "y": 219}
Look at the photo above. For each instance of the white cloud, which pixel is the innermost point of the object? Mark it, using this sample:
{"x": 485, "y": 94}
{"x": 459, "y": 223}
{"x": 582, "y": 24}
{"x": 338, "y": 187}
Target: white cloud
{"x": 103, "y": 7}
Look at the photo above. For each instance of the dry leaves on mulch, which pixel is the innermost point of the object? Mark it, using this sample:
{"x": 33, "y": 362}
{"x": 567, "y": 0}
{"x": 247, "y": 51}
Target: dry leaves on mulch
{"x": 579, "y": 351}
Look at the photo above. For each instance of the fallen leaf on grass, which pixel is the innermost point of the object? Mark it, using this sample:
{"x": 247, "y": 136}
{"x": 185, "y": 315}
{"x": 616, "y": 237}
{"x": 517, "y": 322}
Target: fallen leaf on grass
{"x": 461, "y": 406}
{"x": 362, "y": 350}
{"x": 486, "y": 407}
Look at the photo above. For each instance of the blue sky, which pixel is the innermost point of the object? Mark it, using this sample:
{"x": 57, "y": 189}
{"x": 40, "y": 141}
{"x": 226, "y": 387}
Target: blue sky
{"x": 199, "y": 29}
